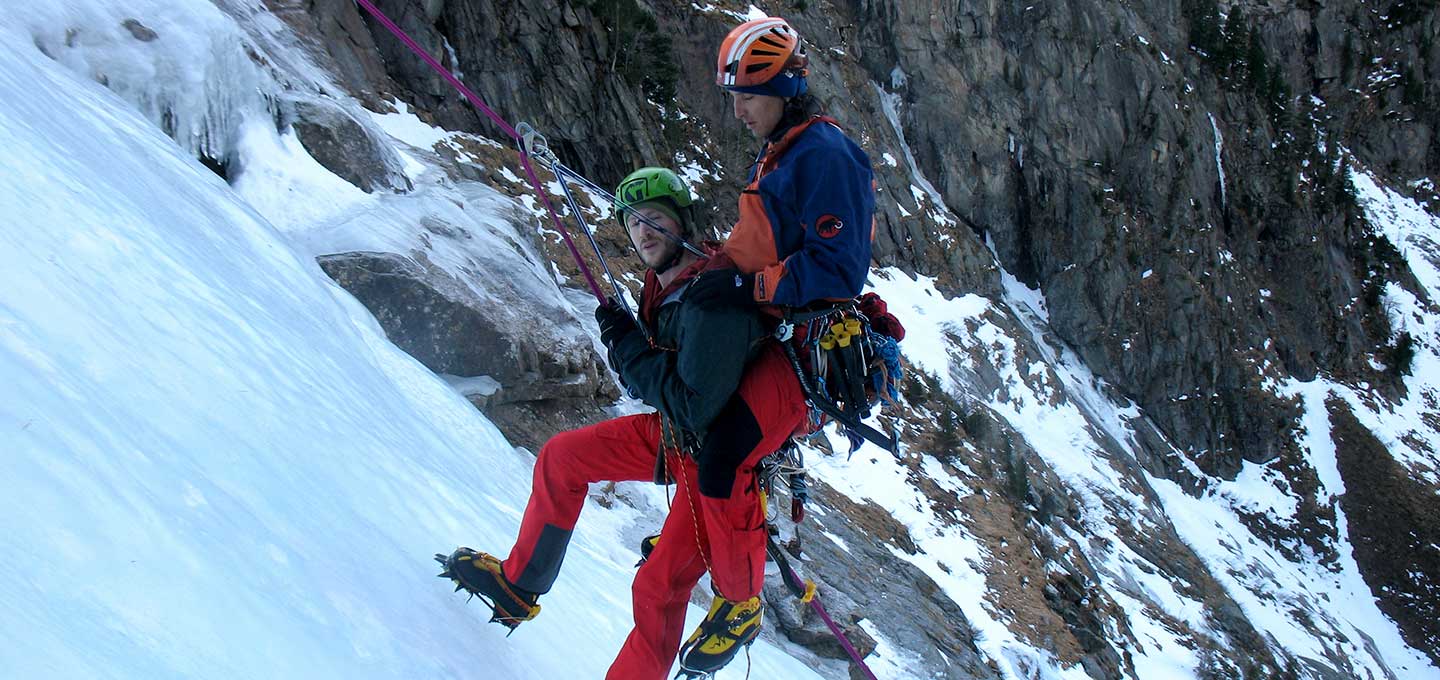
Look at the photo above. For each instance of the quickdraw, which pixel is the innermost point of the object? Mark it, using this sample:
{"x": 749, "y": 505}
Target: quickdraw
{"x": 787, "y": 465}
{"x": 532, "y": 143}
{"x": 836, "y": 376}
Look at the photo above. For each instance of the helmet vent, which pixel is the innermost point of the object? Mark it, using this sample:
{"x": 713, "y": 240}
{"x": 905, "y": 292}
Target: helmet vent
{"x": 758, "y": 51}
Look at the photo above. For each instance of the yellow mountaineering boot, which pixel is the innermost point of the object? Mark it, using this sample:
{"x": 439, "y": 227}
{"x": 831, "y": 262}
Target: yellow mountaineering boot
{"x": 647, "y": 546}
{"x": 729, "y": 626}
{"x": 479, "y": 573}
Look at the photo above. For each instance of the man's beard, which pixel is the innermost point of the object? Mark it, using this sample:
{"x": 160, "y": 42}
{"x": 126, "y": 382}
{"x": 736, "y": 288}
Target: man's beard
{"x": 663, "y": 259}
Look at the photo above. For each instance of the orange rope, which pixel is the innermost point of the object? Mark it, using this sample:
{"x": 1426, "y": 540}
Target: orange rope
{"x": 689, "y": 497}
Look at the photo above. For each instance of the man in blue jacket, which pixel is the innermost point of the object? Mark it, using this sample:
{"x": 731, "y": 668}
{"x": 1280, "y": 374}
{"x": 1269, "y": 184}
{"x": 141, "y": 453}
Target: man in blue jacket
{"x": 807, "y": 212}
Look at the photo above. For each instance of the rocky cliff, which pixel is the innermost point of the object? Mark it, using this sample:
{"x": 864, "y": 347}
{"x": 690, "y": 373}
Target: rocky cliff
{"x": 1089, "y": 144}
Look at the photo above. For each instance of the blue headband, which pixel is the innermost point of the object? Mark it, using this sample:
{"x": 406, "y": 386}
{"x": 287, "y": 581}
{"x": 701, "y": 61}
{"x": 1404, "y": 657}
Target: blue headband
{"x": 785, "y": 85}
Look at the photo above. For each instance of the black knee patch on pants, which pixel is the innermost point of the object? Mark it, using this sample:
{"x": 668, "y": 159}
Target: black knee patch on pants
{"x": 544, "y": 567}
{"x": 733, "y": 435}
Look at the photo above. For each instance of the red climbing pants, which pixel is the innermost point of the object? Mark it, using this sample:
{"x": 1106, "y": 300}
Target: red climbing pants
{"x": 721, "y": 529}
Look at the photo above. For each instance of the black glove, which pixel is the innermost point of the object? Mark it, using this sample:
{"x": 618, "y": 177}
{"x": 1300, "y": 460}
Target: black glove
{"x": 615, "y": 322}
{"x": 722, "y": 288}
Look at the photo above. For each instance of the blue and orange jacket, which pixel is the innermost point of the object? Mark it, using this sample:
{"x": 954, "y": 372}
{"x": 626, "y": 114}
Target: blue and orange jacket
{"x": 806, "y": 217}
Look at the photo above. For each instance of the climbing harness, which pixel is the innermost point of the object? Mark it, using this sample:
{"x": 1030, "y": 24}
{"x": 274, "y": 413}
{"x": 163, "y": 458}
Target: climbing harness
{"x": 845, "y": 367}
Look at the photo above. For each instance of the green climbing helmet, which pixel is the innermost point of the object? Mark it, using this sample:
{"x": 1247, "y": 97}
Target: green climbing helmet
{"x": 657, "y": 186}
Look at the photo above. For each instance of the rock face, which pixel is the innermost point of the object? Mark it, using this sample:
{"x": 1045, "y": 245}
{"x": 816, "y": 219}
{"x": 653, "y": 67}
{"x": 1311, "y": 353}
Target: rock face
{"x": 347, "y": 148}
{"x": 530, "y": 384}
{"x": 466, "y": 292}
{"x": 1397, "y": 522}
{"x": 865, "y": 581}
{"x": 444, "y": 325}
{"x": 1088, "y": 141}
{"x": 338, "y": 41}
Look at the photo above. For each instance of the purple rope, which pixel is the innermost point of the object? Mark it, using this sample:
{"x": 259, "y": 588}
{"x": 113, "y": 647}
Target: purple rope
{"x": 839, "y": 634}
{"x": 506, "y": 127}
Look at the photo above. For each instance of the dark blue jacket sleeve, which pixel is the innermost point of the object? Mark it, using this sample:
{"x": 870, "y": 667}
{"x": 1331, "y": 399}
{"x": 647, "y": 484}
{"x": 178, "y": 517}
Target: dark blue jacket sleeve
{"x": 835, "y": 202}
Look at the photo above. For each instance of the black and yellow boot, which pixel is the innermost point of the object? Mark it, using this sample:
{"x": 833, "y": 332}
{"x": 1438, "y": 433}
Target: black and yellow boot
{"x": 728, "y": 627}
{"x": 647, "y": 546}
{"x": 479, "y": 573}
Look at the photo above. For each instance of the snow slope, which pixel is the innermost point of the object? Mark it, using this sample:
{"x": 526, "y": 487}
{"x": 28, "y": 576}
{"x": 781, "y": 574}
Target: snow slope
{"x": 215, "y": 464}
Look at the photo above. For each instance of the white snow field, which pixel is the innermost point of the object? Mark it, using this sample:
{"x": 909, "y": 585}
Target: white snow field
{"x": 215, "y": 464}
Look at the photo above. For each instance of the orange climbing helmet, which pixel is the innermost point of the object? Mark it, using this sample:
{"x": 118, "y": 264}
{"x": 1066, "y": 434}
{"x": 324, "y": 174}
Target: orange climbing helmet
{"x": 763, "y": 56}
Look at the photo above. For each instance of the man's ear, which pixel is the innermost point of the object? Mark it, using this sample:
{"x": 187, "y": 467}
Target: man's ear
{"x": 688, "y": 215}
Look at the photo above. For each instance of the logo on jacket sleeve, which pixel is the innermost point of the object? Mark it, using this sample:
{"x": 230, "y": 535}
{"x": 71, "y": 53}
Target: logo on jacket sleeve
{"x": 828, "y": 226}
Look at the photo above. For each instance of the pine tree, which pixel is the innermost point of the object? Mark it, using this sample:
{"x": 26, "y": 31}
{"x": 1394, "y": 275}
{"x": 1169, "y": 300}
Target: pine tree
{"x": 1412, "y": 89}
{"x": 1255, "y": 65}
{"x": 1232, "y": 55}
{"x": 1204, "y": 19}
{"x": 947, "y": 439}
{"x": 1402, "y": 355}
{"x": 1406, "y": 12}
{"x": 1017, "y": 474}
{"x": 1277, "y": 94}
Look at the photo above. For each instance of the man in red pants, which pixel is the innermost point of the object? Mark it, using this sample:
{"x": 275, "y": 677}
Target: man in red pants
{"x": 725, "y": 398}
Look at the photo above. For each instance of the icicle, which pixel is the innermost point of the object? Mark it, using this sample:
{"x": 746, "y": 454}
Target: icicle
{"x": 454, "y": 58}
{"x": 1219, "y": 166}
